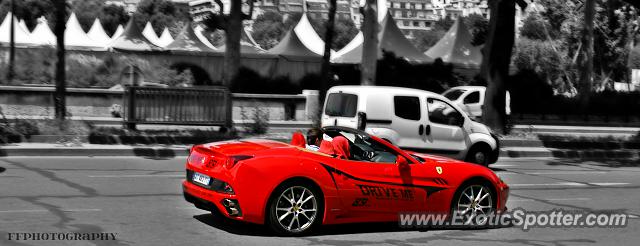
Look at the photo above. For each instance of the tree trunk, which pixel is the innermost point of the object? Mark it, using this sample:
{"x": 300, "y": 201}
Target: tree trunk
{"x": 586, "y": 53}
{"x": 12, "y": 44}
{"x": 496, "y": 60}
{"x": 325, "y": 72}
{"x": 370, "y": 44}
{"x": 233, "y": 34}
{"x": 59, "y": 96}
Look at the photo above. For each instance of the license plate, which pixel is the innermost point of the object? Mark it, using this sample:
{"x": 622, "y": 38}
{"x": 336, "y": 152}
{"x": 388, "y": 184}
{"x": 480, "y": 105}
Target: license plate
{"x": 201, "y": 178}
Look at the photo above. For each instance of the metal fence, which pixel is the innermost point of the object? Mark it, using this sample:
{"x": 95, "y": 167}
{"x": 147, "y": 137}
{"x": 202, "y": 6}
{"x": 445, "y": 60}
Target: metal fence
{"x": 177, "y": 106}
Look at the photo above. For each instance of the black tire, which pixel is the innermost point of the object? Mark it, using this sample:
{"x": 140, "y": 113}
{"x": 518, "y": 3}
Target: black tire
{"x": 459, "y": 198}
{"x": 479, "y": 154}
{"x": 276, "y": 202}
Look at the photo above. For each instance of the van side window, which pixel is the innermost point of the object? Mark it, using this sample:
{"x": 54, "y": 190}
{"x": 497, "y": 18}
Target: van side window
{"x": 342, "y": 105}
{"x": 441, "y": 112}
{"x": 473, "y": 97}
{"x": 407, "y": 107}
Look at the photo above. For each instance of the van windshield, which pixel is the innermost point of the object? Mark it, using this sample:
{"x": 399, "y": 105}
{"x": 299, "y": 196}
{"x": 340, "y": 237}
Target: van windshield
{"x": 454, "y": 94}
{"x": 342, "y": 105}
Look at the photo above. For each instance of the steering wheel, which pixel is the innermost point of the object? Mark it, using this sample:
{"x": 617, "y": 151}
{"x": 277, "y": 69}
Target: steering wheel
{"x": 370, "y": 155}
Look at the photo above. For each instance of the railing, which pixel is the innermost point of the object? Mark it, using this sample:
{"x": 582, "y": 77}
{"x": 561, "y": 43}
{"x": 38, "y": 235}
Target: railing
{"x": 177, "y": 106}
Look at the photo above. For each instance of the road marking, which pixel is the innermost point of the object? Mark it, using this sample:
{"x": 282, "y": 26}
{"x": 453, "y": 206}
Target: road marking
{"x": 568, "y": 184}
{"x": 503, "y": 165}
{"x": 549, "y": 184}
{"x": 138, "y": 176}
{"x": 555, "y": 173}
{"x": 608, "y": 184}
{"x": 551, "y": 199}
{"x": 44, "y": 210}
{"x": 633, "y": 216}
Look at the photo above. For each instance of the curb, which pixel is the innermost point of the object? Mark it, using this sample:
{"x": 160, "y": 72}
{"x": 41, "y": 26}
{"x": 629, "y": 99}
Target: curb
{"x": 128, "y": 151}
{"x": 595, "y": 154}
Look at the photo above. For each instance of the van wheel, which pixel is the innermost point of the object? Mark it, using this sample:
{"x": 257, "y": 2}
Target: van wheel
{"x": 479, "y": 154}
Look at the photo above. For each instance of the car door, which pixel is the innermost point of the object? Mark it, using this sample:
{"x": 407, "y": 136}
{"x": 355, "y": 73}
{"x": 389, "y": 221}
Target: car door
{"x": 407, "y": 121}
{"x": 445, "y": 134}
{"x": 375, "y": 188}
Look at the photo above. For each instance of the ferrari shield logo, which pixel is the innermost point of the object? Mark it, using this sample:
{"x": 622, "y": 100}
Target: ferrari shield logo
{"x": 439, "y": 170}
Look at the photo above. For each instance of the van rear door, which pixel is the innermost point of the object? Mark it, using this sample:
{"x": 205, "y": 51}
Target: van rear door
{"x": 340, "y": 110}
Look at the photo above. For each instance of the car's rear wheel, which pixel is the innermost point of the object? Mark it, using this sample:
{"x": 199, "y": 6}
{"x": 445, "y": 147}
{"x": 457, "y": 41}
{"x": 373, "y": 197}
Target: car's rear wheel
{"x": 479, "y": 154}
{"x": 295, "y": 208}
{"x": 473, "y": 204}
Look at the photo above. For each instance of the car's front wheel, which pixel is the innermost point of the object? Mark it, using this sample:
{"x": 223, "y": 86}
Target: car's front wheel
{"x": 295, "y": 208}
{"x": 473, "y": 204}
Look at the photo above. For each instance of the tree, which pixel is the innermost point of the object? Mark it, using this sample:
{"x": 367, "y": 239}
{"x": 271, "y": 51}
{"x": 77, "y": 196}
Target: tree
{"x": 370, "y": 44}
{"x": 59, "y": 97}
{"x": 87, "y": 11}
{"x": 28, "y": 10}
{"x": 344, "y": 31}
{"x": 496, "y": 60}
{"x": 478, "y": 26}
{"x": 535, "y": 27}
{"x": 426, "y": 39}
{"x": 231, "y": 23}
{"x": 111, "y": 16}
{"x": 586, "y": 53}
{"x": 161, "y": 14}
{"x": 268, "y": 29}
{"x": 443, "y": 23}
{"x": 325, "y": 70}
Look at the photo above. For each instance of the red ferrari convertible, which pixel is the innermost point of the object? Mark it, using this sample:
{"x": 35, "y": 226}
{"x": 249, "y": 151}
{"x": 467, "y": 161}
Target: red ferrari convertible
{"x": 292, "y": 189}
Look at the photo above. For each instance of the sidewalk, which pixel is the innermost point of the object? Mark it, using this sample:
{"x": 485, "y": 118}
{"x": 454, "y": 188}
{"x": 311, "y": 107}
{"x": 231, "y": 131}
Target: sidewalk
{"x": 47, "y": 149}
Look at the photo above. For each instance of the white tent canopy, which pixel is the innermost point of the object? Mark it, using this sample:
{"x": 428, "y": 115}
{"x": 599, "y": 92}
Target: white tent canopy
{"x": 23, "y": 25}
{"x": 150, "y": 34}
{"x": 75, "y": 36}
{"x": 118, "y": 32}
{"x": 42, "y": 33}
{"x": 198, "y": 31}
{"x": 308, "y": 35}
{"x": 22, "y": 36}
{"x": 165, "y": 37}
{"x": 98, "y": 35}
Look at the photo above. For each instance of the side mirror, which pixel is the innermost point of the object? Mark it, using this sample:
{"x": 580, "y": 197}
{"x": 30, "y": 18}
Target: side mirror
{"x": 402, "y": 162}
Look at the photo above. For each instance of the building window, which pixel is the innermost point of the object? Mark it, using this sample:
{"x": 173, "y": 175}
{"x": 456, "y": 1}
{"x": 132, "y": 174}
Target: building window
{"x": 418, "y": 6}
{"x": 416, "y": 23}
{"x": 405, "y": 23}
{"x": 396, "y": 5}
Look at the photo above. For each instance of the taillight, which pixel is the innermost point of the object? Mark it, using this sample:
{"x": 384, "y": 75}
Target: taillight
{"x": 196, "y": 158}
{"x": 231, "y": 161}
{"x": 362, "y": 121}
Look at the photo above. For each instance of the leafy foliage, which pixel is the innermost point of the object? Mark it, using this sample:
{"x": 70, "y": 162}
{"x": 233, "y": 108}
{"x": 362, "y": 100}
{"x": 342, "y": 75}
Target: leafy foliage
{"x": 478, "y": 26}
{"x": 268, "y": 29}
{"x": 161, "y": 14}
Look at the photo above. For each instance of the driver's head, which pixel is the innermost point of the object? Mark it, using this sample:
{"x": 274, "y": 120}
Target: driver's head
{"x": 314, "y": 136}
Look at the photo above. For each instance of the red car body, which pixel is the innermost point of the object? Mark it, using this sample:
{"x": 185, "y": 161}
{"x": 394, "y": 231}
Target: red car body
{"x": 353, "y": 191}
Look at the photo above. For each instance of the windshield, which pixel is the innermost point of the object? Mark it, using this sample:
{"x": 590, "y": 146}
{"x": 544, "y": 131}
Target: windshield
{"x": 453, "y": 94}
{"x": 364, "y": 148}
{"x": 341, "y": 104}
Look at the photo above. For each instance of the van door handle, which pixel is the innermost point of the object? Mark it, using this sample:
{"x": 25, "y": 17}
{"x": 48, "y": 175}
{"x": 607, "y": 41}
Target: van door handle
{"x": 427, "y": 130}
{"x": 420, "y": 130}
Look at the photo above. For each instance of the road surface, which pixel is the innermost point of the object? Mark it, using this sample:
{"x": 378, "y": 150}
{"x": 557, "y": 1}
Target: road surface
{"x": 140, "y": 200}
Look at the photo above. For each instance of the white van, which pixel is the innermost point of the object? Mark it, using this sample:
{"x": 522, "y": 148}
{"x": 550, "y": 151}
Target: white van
{"x": 471, "y": 99}
{"x": 412, "y": 119}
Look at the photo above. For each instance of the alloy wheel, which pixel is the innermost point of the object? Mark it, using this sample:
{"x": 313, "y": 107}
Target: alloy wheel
{"x": 296, "y": 209}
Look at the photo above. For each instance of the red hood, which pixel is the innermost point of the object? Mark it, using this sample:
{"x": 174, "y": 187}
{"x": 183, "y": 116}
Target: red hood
{"x": 233, "y": 147}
